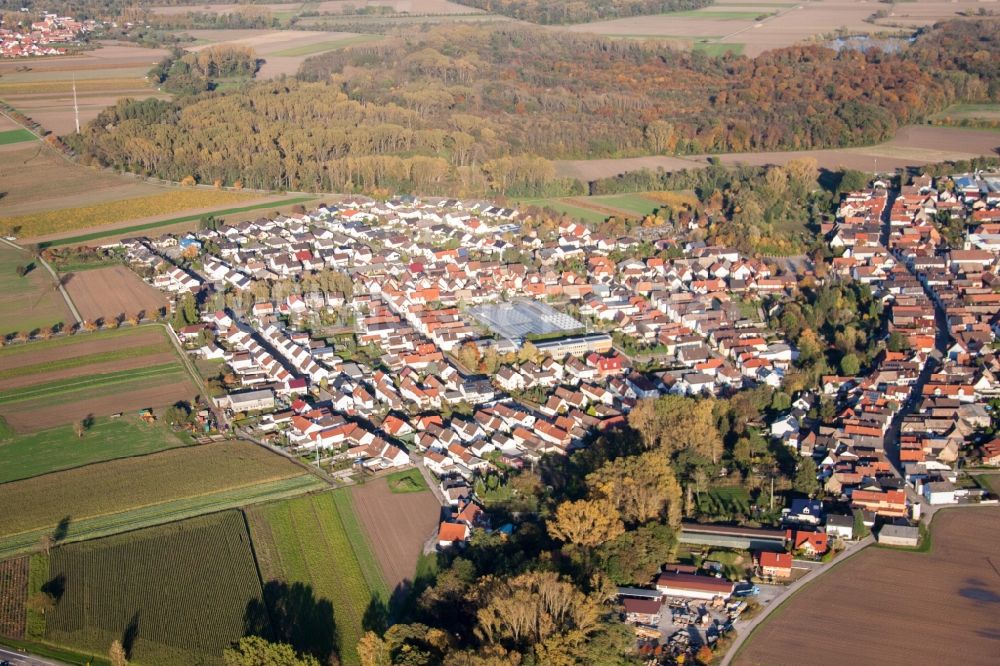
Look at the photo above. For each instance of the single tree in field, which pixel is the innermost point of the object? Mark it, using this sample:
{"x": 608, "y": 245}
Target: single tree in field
{"x": 78, "y": 429}
{"x": 45, "y": 542}
{"x": 116, "y": 654}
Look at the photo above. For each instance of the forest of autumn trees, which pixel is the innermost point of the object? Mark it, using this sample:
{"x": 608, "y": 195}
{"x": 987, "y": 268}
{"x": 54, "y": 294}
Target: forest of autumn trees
{"x": 607, "y": 515}
{"x": 483, "y": 110}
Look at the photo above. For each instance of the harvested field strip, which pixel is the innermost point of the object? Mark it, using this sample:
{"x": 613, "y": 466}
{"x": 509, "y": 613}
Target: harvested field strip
{"x": 80, "y": 361}
{"x": 66, "y": 86}
{"x": 131, "y": 483}
{"x": 184, "y": 590}
{"x": 55, "y": 449}
{"x": 83, "y": 238}
{"x": 310, "y": 49}
{"x": 37, "y": 224}
{"x": 16, "y": 136}
{"x": 110, "y": 380}
{"x": 314, "y": 541}
{"x": 359, "y": 544}
{"x": 13, "y": 592}
{"x": 167, "y": 512}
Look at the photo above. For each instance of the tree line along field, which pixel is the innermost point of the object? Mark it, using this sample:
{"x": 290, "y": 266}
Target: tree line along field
{"x": 174, "y": 594}
{"x": 65, "y": 379}
{"x": 315, "y": 542}
{"x": 142, "y": 490}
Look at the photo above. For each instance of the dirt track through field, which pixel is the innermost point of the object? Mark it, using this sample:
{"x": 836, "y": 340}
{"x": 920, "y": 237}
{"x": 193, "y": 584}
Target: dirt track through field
{"x": 397, "y": 524}
{"x": 109, "y": 292}
{"x": 897, "y": 607}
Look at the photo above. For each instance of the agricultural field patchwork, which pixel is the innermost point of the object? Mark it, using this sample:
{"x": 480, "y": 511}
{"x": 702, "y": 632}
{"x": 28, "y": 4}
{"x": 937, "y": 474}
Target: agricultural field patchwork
{"x": 30, "y": 301}
{"x": 155, "y": 486}
{"x": 67, "y": 379}
{"x": 175, "y": 594}
{"x": 312, "y": 546}
{"x": 43, "y": 89}
{"x": 750, "y": 27}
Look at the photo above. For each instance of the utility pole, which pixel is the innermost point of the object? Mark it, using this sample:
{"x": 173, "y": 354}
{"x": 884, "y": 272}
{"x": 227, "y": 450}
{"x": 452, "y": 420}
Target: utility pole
{"x": 76, "y": 106}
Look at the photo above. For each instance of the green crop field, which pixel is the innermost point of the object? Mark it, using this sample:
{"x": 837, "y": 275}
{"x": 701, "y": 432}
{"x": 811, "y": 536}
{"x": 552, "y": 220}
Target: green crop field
{"x": 68, "y": 390}
{"x": 83, "y": 359}
{"x": 165, "y": 512}
{"x": 719, "y": 48}
{"x": 316, "y": 542}
{"x": 16, "y": 136}
{"x": 25, "y": 456}
{"x": 409, "y": 481}
{"x": 175, "y": 594}
{"x": 154, "y": 484}
{"x": 28, "y": 302}
{"x": 628, "y": 203}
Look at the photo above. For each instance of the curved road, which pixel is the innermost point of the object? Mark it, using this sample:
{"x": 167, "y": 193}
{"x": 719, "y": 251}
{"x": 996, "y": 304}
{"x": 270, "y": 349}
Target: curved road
{"x": 744, "y": 632}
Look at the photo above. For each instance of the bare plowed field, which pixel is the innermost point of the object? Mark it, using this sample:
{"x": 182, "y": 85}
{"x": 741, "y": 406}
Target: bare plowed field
{"x": 894, "y": 607}
{"x": 45, "y": 91}
{"x": 64, "y": 380}
{"x": 760, "y": 26}
{"x": 113, "y": 291}
{"x": 913, "y": 146}
{"x": 397, "y": 526}
{"x": 31, "y": 174}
